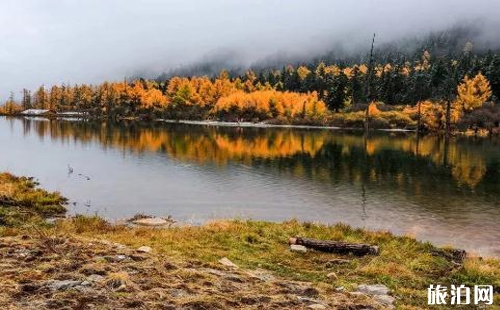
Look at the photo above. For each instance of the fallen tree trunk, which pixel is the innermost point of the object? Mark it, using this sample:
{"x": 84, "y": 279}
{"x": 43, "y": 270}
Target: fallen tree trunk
{"x": 336, "y": 246}
{"x": 454, "y": 255}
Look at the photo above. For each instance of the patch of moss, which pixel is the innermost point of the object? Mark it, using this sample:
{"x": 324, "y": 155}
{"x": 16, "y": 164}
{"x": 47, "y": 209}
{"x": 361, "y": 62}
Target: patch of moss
{"x": 21, "y": 201}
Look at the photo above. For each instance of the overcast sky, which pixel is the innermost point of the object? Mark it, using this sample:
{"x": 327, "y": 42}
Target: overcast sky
{"x": 75, "y": 41}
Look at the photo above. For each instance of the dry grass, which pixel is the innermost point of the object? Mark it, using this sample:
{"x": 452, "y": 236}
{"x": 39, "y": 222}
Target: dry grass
{"x": 405, "y": 265}
{"x": 99, "y": 274}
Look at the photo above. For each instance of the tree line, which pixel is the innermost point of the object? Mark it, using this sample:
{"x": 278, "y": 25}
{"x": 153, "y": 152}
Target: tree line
{"x": 431, "y": 92}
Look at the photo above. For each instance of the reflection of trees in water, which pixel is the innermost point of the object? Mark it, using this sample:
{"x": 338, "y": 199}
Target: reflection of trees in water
{"x": 400, "y": 159}
{"x": 391, "y": 173}
{"x": 193, "y": 143}
{"x": 466, "y": 157}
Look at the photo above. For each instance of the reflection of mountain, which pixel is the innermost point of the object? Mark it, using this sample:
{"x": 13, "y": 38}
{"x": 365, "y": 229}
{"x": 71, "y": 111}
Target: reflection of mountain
{"x": 400, "y": 160}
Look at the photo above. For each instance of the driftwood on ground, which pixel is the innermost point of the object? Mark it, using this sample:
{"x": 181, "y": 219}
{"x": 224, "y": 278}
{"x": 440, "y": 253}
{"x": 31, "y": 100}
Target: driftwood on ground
{"x": 336, "y": 246}
{"x": 454, "y": 255}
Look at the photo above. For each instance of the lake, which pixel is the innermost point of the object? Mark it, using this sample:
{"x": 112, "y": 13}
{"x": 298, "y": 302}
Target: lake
{"x": 442, "y": 190}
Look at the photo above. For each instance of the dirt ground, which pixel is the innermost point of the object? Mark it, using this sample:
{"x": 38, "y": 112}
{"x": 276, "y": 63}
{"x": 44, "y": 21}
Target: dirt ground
{"x": 69, "y": 273}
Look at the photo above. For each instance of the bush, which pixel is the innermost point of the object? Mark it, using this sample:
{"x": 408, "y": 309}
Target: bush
{"x": 381, "y": 120}
{"x": 396, "y": 119}
{"x": 348, "y": 119}
{"x": 487, "y": 117}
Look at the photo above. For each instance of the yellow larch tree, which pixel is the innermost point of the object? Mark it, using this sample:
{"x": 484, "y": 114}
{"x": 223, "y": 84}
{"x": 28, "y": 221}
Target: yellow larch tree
{"x": 473, "y": 93}
{"x": 303, "y": 72}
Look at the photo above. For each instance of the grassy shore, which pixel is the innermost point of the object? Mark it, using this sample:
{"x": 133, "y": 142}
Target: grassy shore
{"x": 21, "y": 201}
{"x": 182, "y": 269}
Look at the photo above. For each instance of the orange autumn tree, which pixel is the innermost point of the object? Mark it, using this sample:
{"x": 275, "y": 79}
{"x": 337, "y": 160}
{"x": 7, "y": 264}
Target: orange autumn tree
{"x": 195, "y": 97}
{"x": 373, "y": 110}
{"x": 147, "y": 97}
{"x": 267, "y": 104}
{"x": 473, "y": 92}
{"x": 303, "y": 72}
{"x": 10, "y": 106}
{"x": 82, "y": 97}
{"x": 154, "y": 99}
{"x": 432, "y": 114}
{"x": 182, "y": 91}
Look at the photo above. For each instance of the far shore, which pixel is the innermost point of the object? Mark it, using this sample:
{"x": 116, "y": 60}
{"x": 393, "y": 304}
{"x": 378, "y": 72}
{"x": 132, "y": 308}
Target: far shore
{"x": 267, "y": 125}
{"x": 221, "y": 123}
{"x": 470, "y": 132}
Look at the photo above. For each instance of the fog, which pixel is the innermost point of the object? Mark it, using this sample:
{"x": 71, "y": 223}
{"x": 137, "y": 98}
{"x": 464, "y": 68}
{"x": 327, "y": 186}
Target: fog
{"x": 74, "y": 41}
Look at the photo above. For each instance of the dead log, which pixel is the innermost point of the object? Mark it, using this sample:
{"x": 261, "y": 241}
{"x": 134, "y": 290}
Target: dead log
{"x": 331, "y": 246}
{"x": 456, "y": 256}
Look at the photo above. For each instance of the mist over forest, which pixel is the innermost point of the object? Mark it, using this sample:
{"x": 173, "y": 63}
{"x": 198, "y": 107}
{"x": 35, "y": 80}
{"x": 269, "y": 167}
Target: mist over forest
{"x": 74, "y": 42}
{"x": 448, "y": 42}
{"x": 424, "y": 65}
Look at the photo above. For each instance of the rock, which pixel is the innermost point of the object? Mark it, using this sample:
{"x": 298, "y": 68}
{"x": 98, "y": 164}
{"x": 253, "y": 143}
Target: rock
{"x": 377, "y": 289}
{"x": 305, "y": 299}
{"x": 144, "y": 249}
{"x": 178, "y": 293}
{"x": 332, "y": 276}
{"x": 214, "y": 272}
{"x": 253, "y": 300}
{"x": 292, "y": 287}
{"x": 308, "y": 300}
{"x": 339, "y": 289}
{"x": 226, "y": 262}
{"x": 316, "y": 306}
{"x": 89, "y": 271}
{"x": 298, "y": 248}
{"x": 334, "y": 262}
{"x": 95, "y": 278}
{"x": 261, "y": 275}
{"x": 234, "y": 278}
{"x": 138, "y": 258}
{"x": 50, "y": 220}
{"x": 385, "y": 300}
{"x": 116, "y": 284}
{"x": 119, "y": 246}
{"x": 86, "y": 283}
{"x": 56, "y": 285}
{"x": 121, "y": 288}
{"x": 116, "y": 258}
{"x": 30, "y": 287}
{"x": 22, "y": 253}
{"x": 310, "y": 292}
{"x": 153, "y": 221}
{"x": 170, "y": 266}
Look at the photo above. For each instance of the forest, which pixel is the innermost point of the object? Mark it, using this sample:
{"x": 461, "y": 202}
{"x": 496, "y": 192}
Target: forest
{"x": 429, "y": 89}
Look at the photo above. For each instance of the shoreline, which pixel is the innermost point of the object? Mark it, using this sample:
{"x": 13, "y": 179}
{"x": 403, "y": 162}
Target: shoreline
{"x": 215, "y": 123}
{"x": 263, "y": 125}
{"x": 266, "y": 125}
{"x": 65, "y": 260}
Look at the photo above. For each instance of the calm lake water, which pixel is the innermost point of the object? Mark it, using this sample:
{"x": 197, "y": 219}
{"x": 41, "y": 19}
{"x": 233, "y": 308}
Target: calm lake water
{"x": 446, "y": 192}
